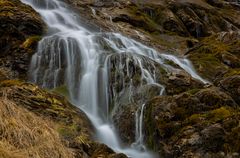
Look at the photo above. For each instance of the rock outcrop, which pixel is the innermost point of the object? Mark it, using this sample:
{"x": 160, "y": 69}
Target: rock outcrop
{"x": 20, "y": 30}
{"x": 197, "y": 123}
{"x": 166, "y": 25}
{"x": 191, "y": 119}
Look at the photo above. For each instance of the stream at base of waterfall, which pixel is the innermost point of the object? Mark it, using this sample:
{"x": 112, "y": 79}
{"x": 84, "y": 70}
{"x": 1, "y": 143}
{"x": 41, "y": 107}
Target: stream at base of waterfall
{"x": 83, "y": 60}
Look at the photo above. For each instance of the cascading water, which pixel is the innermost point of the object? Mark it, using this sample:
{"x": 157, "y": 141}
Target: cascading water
{"x": 139, "y": 128}
{"x": 88, "y": 63}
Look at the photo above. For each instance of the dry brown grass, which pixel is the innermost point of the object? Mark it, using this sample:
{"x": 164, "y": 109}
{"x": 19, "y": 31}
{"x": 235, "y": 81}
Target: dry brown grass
{"x": 23, "y": 134}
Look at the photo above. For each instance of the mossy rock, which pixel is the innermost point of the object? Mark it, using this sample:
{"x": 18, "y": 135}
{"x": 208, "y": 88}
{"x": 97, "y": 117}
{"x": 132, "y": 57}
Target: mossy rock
{"x": 216, "y": 57}
{"x": 21, "y": 28}
{"x": 62, "y": 90}
{"x": 177, "y": 125}
{"x": 30, "y": 43}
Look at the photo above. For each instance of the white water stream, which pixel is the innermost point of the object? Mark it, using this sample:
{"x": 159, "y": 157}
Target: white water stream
{"x": 70, "y": 54}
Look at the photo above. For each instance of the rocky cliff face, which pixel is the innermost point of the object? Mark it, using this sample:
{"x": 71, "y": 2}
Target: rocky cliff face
{"x": 197, "y": 123}
{"x": 190, "y": 120}
{"x": 167, "y": 24}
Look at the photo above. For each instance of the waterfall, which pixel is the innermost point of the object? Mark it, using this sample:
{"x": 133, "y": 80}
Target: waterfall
{"x": 139, "y": 144}
{"x": 97, "y": 68}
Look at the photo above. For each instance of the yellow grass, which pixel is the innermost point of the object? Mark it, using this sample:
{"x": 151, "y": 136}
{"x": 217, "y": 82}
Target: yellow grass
{"x": 23, "y": 134}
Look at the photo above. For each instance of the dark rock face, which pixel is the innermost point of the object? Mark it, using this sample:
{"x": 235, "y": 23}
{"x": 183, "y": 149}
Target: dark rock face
{"x": 166, "y": 24}
{"x": 20, "y": 29}
{"x": 124, "y": 120}
{"x": 232, "y": 85}
{"x": 190, "y": 121}
{"x": 192, "y": 124}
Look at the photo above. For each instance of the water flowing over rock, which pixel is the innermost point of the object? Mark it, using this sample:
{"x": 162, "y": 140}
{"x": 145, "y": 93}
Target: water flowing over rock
{"x": 87, "y": 62}
{"x": 125, "y": 66}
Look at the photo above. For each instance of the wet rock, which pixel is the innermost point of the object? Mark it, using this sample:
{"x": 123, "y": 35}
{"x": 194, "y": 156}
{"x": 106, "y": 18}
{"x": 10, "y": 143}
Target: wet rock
{"x": 124, "y": 120}
{"x": 126, "y": 111}
{"x": 130, "y": 96}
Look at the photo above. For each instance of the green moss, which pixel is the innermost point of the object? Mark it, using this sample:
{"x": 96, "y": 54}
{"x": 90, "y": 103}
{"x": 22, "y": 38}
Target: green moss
{"x": 207, "y": 59}
{"x": 218, "y": 114}
{"x": 210, "y": 117}
{"x": 170, "y": 62}
{"x": 64, "y": 132}
{"x": 39, "y": 98}
{"x": 9, "y": 83}
{"x": 232, "y": 72}
{"x": 207, "y": 64}
{"x": 141, "y": 19}
{"x": 216, "y": 45}
{"x": 195, "y": 118}
{"x": 137, "y": 78}
{"x": 193, "y": 91}
{"x": 6, "y": 3}
{"x": 62, "y": 90}
{"x": 149, "y": 126}
{"x": 83, "y": 139}
{"x": 233, "y": 141}
{"x": 29, "y": 42}
{"x": 163, "y": 71}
